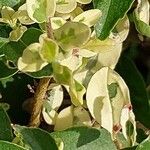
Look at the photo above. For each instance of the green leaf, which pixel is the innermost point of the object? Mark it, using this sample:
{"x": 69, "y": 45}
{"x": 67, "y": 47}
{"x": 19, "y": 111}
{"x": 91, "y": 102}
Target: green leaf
{"x": 5, "y": 71}
{"x": 10, "y": 146}
{"x": 36, "y": 138}
{"x": 112, "y": 11}
{"x": 145, "y": 145}
{"x": 5, "y": 126}
{"x": 127, "y": 69}
{"x": 10, "y": 3}
{"x": 112, "y": 88}
{"x": 130, "y": 128}
{"x": 4, "y": 34}
{"x": 83, "y": 138}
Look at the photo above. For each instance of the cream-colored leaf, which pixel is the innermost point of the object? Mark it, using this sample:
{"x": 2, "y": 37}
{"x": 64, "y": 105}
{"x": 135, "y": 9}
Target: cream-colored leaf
{"x": 49, "y": 116}
{"x": 64, "y": 119}
{"x": 65, "y": 16}
{"x": 72, "y": 62}
{"x": 81, "y": 116}
{"x": 72, "y": 35}
{"x": 40, "y": 10}
{"x": 49, "y": 50}
{"x": 109, "y": 51}
{"x": 31, "y": 60}
{"x": 55, "y": 96}
{"x": 23, "y": 15}
{"x": 89, "y": 17}
{"x": 121, "y": 98}
{"x": 122, "y": 30}
{"x": 84, "y": 1}
{"x": 110, "y": 57}
{"x": 98, "y": 101}
{"x": 86, "y": 53}
{"x": 65, "y": 6}
{"x": 143, "y": 11}
{"x": 57, "y": 22}
{"x": 127, "y": 115}
{"x": 17, "y": 33}
{"x": 8, "y": 16}
{"x": 76, "y": 92}
{"x": 99, "y": 46}
{"x": 76, "y": 12}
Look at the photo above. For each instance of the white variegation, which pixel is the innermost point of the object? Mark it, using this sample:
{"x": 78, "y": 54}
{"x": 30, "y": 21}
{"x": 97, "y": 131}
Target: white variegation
{"x": 40, "y": 10}
{"x": 31, "y": 60}
{"x": 64, "y": 119}
{"x": 84, "y": 1}
{"x": 89, "y": 17}
{"x": 65, "y": 6}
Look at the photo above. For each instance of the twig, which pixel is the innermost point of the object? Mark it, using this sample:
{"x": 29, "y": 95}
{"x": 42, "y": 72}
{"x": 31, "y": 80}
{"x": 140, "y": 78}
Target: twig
{"x": 40, "y": 90}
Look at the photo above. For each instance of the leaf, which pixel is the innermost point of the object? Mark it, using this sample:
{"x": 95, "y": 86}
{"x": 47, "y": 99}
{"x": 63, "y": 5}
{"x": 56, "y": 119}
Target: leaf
{"x": 83, "y": 138}
{"x": 31, "y": 60}
{"x": 66, "y": 6}
{"x": 36, "y": 138}
{"x": 52, "y": 103}
{"x": 112, "y": 11}
{"x": 5, "y": 106}
{"x": 112, "y": 89}
{"x": 45, "y": 72}
{"x": 145, "y": 145}
{"x": 130, "y": 128}
{"x": 57, "y": 22}
{"x": 76, "y": 92}
{"x": 81, "y": 117}
{"x": 23, "y": 16}
{"x": 8, "y": 16}
{"x": 5, "y": 126}
{"x": 108, "y": 51}
{"x": 40, "y": 10}
{"x": 14, "y": 50}
{"x": 16, "y": 34}
{"x": 49, "y": 50}
{"x": 10, "y": 3}
{"x": 137, "y": 88}
{"x": 55, "y": 96}
{"x": 84, "y": 1}
{"x": 89, "y": 17}
{"x": 6, "y": 72}
{"x": 64, "y": 119}
{"x": 10, "y": 146}
{"x": 141, "y": 17}
{"x": 62, "y": 74}
{"x": 72, "y": 35}
{"x": 121, "y": 30}
{"x": 99, "y": 103}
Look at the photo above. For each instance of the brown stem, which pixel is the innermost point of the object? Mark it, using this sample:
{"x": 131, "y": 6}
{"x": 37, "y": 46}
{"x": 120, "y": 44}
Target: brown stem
{"x": 41, "y": 90}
